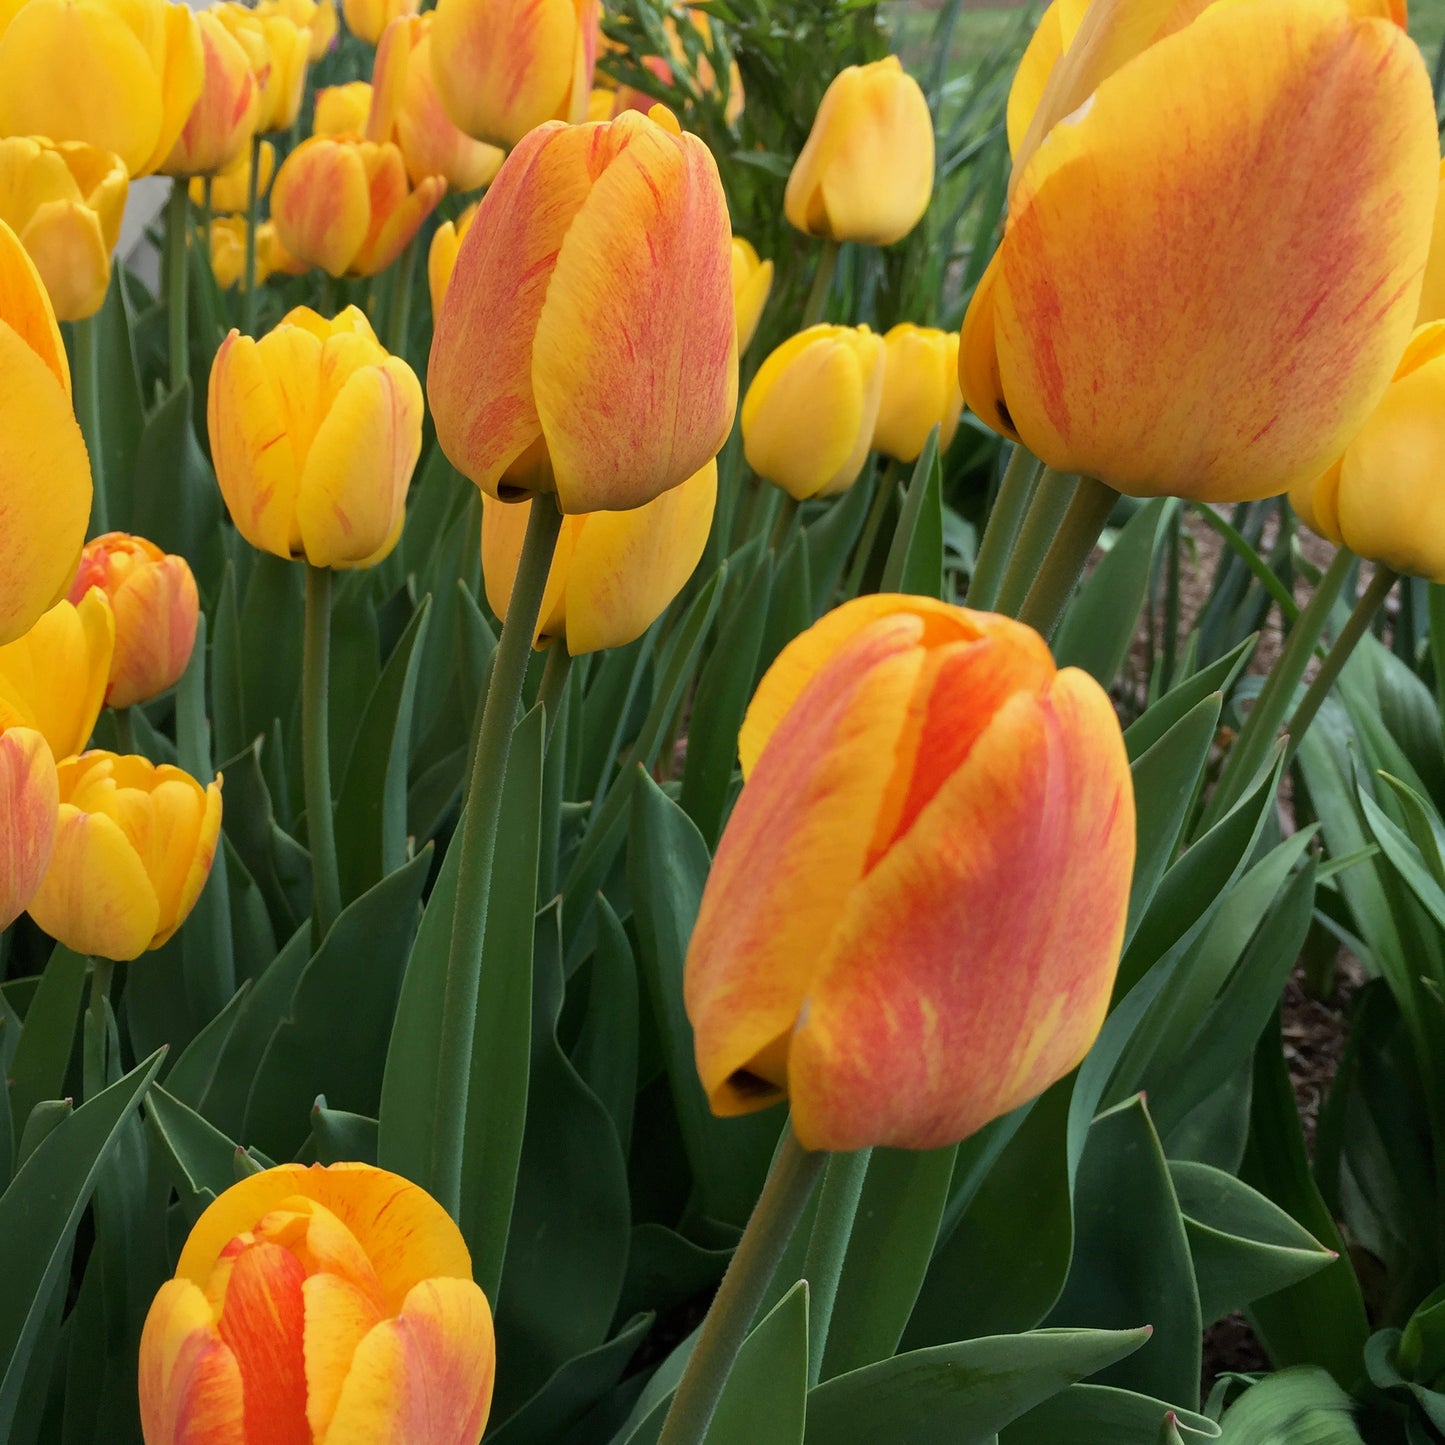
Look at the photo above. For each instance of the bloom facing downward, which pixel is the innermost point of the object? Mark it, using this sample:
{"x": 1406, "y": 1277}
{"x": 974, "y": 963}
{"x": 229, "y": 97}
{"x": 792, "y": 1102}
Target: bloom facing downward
{"x": 599, "y": 269}
{"x": 914, "y": 918}
{"x": 329, "y": 1305}
{"x": 29, "y": 798}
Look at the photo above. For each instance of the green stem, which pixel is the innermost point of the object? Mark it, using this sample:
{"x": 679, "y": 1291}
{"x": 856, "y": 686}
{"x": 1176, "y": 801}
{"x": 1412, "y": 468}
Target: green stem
{"x": 124, "y": 731}
{"x": 1063, "y": 564}
{"x": 887, "y": 484}
{"x": 97, "y": 1031}
{"x": 316, "y": 749}
{"x": 785, "y": 1195}
{"x": 1015, "y": 492}
{"x": 1052, "y": 494}
{"x": 783, "y": 523}
{"x": 86, "y": 385}
{"x": 554, "y": 682}
{"x": 828, "y": 1247}
{"x": 248, "y": 279}
{"x": 177, "y": 220}
{"x": 1175, "y": 540}
{"x": 822, "y": 284}
{"x": 479, "y": 844}
{"x": 399, "y": 320}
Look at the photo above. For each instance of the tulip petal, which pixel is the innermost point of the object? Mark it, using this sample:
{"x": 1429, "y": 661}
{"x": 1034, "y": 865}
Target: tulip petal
{"x": 338, "y": 1317}
{"x": 54, "y": 677}
{"x": 190, "y": 1384}
{"x": 504, "y": 529}
{"x": 156, "y": 612}
{"x": 29, "y": 802}
{"x": 71, "y": 256}
{"x": 321, "y": 203}
{"x": 978, "y": 368}
{"x": 400, "y": 222}
{"x": 26, "y": 310}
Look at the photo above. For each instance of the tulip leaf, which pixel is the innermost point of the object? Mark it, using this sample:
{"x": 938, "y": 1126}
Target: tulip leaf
{"x": 190, "y": 1077}
{"x": 791, "y": 611}
{"x": 915, "y": 560}
{"x": 1104, "y": 1415}
{"x": 177, "y": 502}
{"x": 199, "y": 1160}
{"x": 667, "y": 1270}
{"x": 605, "y": 1054}
{"x": 122, "y": 411}
{"x": 1303, "y": 1406}
{"x": 40, "y": 1211}
{"x": 340, "y": 1137}
{"x": 44, "y": 1119}
{"x": 47, "y": 1040}
{"x": 274, "y": 607}
{"x": 1184, "y": 697}
{"x": 830, "y": 540}
{"x": 765, "y": 1398}
{"x": 228, "y": 703}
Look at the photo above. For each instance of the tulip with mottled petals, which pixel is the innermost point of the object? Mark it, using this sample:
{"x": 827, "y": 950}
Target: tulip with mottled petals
{"x": 222, "y": 122}
{"x": 342, "y": 109}
{"x": 279, "y": 51}
{"x": 231, "y": 189}
{"x": 65, "y": 202}
{"x": 752, "y": 280}
{"x": 53, "y": 679}
{"x": 503, "y": 67}
{"x": 920, "y": 391}
{"x": 315, "y": 431}
{"x": 599, "y": 269}
{"x": 29, "y": 801}
{"x": 913, "y": 921}
{"x": 153, "y": 596}
{"x": 809, "y": 414}
{"x": 1169, "y": 320}
{"x": 369, "y": 18}
{"x": 441, "y": 259}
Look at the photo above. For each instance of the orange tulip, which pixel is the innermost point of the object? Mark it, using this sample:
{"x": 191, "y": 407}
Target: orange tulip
{"x": 914, "y": 918}
{"x": 441, "y": 259}
{"x": 342, "y": 109}
{"x": 29, "y": 799}
{"x": 599, "y": 269}
{"x": 222, "y": 122}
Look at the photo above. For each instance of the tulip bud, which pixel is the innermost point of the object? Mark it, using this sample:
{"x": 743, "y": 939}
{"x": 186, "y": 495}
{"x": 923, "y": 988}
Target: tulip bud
{"x": 318, "y": 16}
{"x": 342, "y": 109}
{"x": 441, "y": 259}
{"x": 65, "y": 202}
{"x": 29, "y": 800}
{"x": 317, "y": 1303}
{"x": 752, "y": 280}
{"x": 405, "y": 109}
{"x": 920, "y": 391}
{"x": 809, "y": 414}
{"x": 613, "y": 573}
{"x": 351, "y": 415}
{"x": 44, "y": 469}
{"x": 914, "y": 918}
{"x": 133, "y": 848}
{"x": 866, "y": 171}
{"x": 368, "y": 19}
{"x": 626, "y": 400}
{"x": 231, "y": 188}
{"x": 222, "y": 122}
{"x": 503, "y": 67}
{"x": 278, "y": 49}
{"x": 153, "y": 597}
{"x": 343, "y": 204}
{"x": 120, "y": 75}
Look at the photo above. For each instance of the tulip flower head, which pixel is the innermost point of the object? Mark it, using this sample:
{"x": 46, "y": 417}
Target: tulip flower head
{"x": 920, "y": 391}
{"x": 1173, "y": 322}
{"x": 342, "y": 109}
{"x": 809, "y": 414}
{"x": 29, "y": 801}
{"x": 279, "y": 50}
{"x": 231, "y": 188}
{"x": 221, "y": 123}
{"x": 317, "y": 16}
{"x": 441, "y": 259}
{"x": 913, "y": 921}
{"x": 156, "y": 607}
{"x": 866, "y": 170}
{"x": 350, "y": 417}
{"x": 752, "y": 280}
{"x": 368, "y": 19}
{"x": 352, "y": 1256}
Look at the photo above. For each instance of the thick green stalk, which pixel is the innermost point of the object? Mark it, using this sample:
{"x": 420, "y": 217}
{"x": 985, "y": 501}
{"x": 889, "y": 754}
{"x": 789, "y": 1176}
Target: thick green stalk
{"x": 886, "y": 485}
{"x": 785, "y": 1195}
{"x": 124, "y": 731}
{"x": 177, "y": 221}
{"x": 399, "y": 319}
{"x": 248, "y": 278}
{"x": 97, "y": 1033}
{"x": 1015, "y": 492}
{"x": 1063, "y": 564}
{"x": 1052, "y": 494}
{"x": 316, "y": 749}
{"x": 86, "y": 385}
{"x": 828, "y": 1246}
{"x": 479, "y": 845}
{"x": 817, "y": 302}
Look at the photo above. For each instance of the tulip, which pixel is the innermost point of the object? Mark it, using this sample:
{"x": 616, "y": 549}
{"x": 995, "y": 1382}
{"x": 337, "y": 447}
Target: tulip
{"x": 407, "y": 110}
{"x": 317, "y": 16}
{"x": 133, "y": 848}
{"x": 316, "y": 1304}
{"x": 343, "y": 204}
{"x": 601, "y": 104}
{"x": 228, "y": 252}
{"x": 231, "y": 188}
{"x": 914, "y": 918}
{"x": 752, "y": 280}
{"x": 809, "y": 414}
{"x": 342, "y": 109}
{"x": 29, "y": 801}
{"x": 221, "y": 123}
{"x": 504, "y": 66}
{"x": 369, "y": 18}
{"x": 44, "y": 469}
{"x": 613, "y": 573}
{"x": 441, "y": 259}
{"x": 1170, "y": 321}
{"x": 598, "y": 270}
{"x": 866, "y": 171}
{"x": 1432, "y": 291}
{"x": 351, "y": 415}
{"x": 65, "y": 202}
{"x": 153, "y": 597}
{"x": 120, "y": 75}
{"x": 920, "y": 391}
{"x": 278, "y": 49}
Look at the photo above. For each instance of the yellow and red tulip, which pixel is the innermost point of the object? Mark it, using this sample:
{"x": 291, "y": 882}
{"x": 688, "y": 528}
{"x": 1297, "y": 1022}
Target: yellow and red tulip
{"x": 342, "y": 109}
{"x": 231, "y": 188}
{"x": 279, "y": 50}
{"x": 914, "y": 918}
{"x": 369, "y": 18}
{"x": 752, "y": 280}
{"x": 920, "y": 391}
{"x": 1432, "y": 290}
{"x": 317, "y": 16}
{"x": 221, "y": 123}
{"x": 29, "y": 800}
{"x": 441, "y": 259}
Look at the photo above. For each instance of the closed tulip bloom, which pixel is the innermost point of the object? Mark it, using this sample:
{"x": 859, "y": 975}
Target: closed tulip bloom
{"x": 133, "y": 848}
{"x": 505, "y": 66}
{"x": 65, "y": 202}
{"x": 53, "y": 679}
{"x": 1087, "y": 337}
{"x": 222, "y": 122}
{"x": 613, "y": 573}
{"x": 407, "y": 110}
{"x": 44, "y": 469}
{"x": 228, "y": 252}
{"x": 121, "y": 75}
{"x": 441, "y": 259}
{"x": 317, "y": 1304}
{"x": 914, "y": 918}
{"x": 279, "y": 50}
{"x": 809, "y": 414}
{"x": 752, "y": 280}
{"x": 317, "y": 16}
{"x": 920, "y": 391}
{"x": 153, "y": 596}
{"x": 231, "y": 188}
{"x": 866, "y": 171}
{"x": 315, "y": 431}
{"x": 369, "y": 18}
{"x": 342, "y": 109}
{"x": 598, "y": 269}
{"x": 344, "y": 204}
{"x": 29, "y": 801}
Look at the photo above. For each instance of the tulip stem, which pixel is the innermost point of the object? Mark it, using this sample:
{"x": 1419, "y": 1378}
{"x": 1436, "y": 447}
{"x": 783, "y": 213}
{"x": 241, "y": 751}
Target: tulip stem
{"x": 554, "y": 682}
{"x": 780, "y": 1206}
{"x": 248, "y": 278}
{"x": 177, "y": 220}
{"x": 828, "y": 1247}
{"x": 316, "y": 749}
{"x": 783, "y": 523}
{"x": 1015, "y": 492}
{"x": 1063, "y": 564}
{"x": 399, "y": 319}
{"x": 478, "y": 843}
{"x": 97, "y": 1031}
{"x": 822, "y": 285}
{"x": 124, "y": 731}
{"x": 1051, "y": 497}
{"x": 87, "y": 412}
{"x": 887, "y": 486}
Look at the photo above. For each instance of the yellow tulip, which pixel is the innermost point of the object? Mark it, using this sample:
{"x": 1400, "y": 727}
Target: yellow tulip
{"x": 133, "y": 848}
{"x": 65, "y": 202}
{"x": 613, "y": 573}
{"x": 600, "y": 103}
{"x": 121, "y": 75}
{"x": 228, "y": 252}
{"x": 342, "y": 109}
{"x": 920, "y": 391}
{"x": 350, "y": 416}
{"x": 29, "y": 802}
{"x": 317, "y": 16}
{"x": 369, "y": 18}
{"x": 231, "y": 188}
{"x": 809, "y": 414}
{"x": 441, "y": 259}
{"x": 222, "y": 122}
{"x": 866, "y": 171}
{"x": 279, "y": 50}
{"x": 53, "y": 679}
{"x": 752, "y": 280}
{"x": 1432, "y": 292}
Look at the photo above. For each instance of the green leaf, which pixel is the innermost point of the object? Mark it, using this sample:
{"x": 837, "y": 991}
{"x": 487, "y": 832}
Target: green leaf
{"x": 830, "y": 540}
{"x": 274, "y": 607}
{"x": 199, "y": 1160}
{"x": 765, "y": 1399}
{"x": 605, "y": 1054}
{"x": 228, "y": 700}
{"x": 1104, "y": 1415}
{"x": 38, "y": 1068}
{"x": 279, "y": 865}
{"x": 915, "y": 560}
{"x": 1302, "y": 1406}
{"x": 1184, "y": 696}
{"x": 177, "y": 502}
{"x": 190, "y": 1077}
{"x": 122, "y": 411}
{"x": 341, "y": 1137}
{"x": 791, "y": 611}
{"x": 47, "y": 1116}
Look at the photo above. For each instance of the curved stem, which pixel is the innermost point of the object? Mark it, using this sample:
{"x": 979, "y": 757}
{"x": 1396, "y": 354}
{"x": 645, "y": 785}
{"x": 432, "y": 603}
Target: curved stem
{"x": 774, "y": 1218}
{"x": 554, "y": 682}
{"x": 828, "y": 1247}
{"x": 86, "y": 383}
{"x": 1015, "y": 492}
{"x": 1063, "y": 564}
{"x": 177, "y": 221}
{"x": 316, "y": 749}
{"x": 248, "y": 279}
{"x": 817, "y": 302}
{"x": 886, "y": 484}
{"x": 479, "y": 845}
{"x": 1052, "y": 494}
